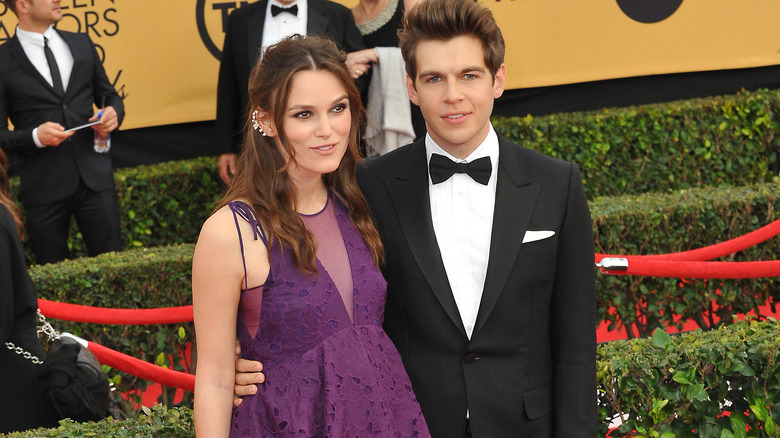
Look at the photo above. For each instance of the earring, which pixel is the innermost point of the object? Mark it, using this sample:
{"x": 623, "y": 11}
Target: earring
{"x": 256, "y": 123}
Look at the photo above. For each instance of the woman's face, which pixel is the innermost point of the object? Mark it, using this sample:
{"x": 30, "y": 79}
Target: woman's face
{"x": 317, "y": 122}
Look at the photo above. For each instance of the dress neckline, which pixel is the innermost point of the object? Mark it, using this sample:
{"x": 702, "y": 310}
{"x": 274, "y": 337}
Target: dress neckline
{"x": 327, "y": 202}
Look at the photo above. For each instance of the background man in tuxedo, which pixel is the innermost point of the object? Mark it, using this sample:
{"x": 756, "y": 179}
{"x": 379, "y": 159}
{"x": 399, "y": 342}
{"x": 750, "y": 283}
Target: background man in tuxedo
{"x": 491, "y": 291}
{"x": 249, "y": 30}
{"x": 49, "y": 80}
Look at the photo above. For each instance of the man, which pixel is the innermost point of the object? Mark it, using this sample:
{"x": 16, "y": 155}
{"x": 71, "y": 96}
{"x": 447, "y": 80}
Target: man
{"x": 249, "y": 30}
{"x": 49, "y": 80}
{"x": 491, "y": 290}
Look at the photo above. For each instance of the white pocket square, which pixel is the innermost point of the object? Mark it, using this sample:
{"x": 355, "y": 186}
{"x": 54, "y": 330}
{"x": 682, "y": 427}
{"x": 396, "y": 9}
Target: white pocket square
{"x": 533, "y": 236}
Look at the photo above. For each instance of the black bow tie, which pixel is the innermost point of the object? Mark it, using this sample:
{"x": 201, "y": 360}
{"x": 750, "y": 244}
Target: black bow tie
{"x": 276, "y": 10}
{"x": 442, "y": 168}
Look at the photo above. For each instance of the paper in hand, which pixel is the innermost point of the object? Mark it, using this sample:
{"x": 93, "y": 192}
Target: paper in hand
{"x": 86, "y": 125}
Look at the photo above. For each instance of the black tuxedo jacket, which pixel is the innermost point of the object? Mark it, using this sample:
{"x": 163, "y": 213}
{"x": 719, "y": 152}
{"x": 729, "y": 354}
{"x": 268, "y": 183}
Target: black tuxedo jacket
{"x": 51, "y": 174}
{"x": 529, "y": 369}
{"x": 241, "y": 49}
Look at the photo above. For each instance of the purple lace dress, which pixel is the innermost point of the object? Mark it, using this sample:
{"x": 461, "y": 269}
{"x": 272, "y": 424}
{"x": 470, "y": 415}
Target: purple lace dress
{"x": 330, "y": 368}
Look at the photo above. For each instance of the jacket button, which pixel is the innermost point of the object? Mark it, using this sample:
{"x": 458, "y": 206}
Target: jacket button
{"x": 470, "y": 358}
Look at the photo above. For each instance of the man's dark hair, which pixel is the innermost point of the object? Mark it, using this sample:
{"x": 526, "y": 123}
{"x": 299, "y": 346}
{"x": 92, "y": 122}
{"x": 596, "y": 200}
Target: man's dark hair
{"x": 442, "y": 20}
{"x": 11, "y": 4}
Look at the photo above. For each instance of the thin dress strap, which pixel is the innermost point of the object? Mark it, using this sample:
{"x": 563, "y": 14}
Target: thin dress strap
{"x": 248, "y": 214}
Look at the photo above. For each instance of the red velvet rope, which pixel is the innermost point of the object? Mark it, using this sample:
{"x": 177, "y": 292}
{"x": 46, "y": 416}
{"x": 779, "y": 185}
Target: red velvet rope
{"x": 681, "y": 269}
{"x": 142, "y": 369}
{"x": 115, "y": 359}
{"x": 101, "y": 315}
{"x": 693, "y": 264}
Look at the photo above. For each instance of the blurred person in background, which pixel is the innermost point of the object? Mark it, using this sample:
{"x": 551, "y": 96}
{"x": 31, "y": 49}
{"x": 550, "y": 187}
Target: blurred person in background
{"x": 49, "y": 81}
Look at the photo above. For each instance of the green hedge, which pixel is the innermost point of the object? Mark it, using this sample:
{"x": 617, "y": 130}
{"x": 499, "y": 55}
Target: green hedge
{"x": 167, "y": 203}
{"x": 661, "y": 386}
{"x": 157, "y": 422}
{"x": 133, "y": 279}
{"x": 682, "y": 386}
{"x": 719, "y": 141}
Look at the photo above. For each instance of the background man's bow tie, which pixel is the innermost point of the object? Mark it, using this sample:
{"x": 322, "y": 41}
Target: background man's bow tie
{"x": 442, "y": 168}
{"x": 276, "y": 10}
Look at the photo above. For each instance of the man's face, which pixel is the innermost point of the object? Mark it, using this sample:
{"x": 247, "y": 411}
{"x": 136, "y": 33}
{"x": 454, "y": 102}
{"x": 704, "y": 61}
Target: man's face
{"x": 455, "y": 92}
{"x": 42, "y": 12}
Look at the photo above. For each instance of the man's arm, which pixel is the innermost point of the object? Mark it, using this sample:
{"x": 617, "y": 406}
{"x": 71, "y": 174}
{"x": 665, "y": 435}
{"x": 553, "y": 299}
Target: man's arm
{"x": 573, "y": 320}
{"x": 18, "y": 140}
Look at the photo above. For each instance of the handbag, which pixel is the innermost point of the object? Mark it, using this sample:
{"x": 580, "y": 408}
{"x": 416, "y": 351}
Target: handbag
{"x": 71, "y": 380}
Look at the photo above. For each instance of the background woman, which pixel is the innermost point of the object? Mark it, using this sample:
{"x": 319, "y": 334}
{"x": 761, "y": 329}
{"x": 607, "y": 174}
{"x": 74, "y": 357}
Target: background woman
{"x": 288, "y": 264}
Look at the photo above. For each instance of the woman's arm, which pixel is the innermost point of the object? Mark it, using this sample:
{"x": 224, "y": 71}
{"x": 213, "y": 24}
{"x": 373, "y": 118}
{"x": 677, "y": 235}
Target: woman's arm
{"x": 217, "y": 280}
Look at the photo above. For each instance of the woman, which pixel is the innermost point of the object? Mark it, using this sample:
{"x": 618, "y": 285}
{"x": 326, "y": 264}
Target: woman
{"x": 21, "y": 406}
{"x": 288, "y": 264}
{"x": 379, "y": 22}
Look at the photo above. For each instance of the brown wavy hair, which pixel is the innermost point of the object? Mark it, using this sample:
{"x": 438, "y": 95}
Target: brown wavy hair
{"x": 261, "y": 176}
{"x": 5, "y": 194}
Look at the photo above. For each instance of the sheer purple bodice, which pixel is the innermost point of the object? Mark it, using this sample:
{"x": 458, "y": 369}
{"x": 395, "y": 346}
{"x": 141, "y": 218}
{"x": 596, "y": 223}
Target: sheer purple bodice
{"x": 328, "y": 373}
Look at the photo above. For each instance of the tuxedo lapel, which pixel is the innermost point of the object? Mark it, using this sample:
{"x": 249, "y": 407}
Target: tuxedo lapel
{"x": 255, "y": 23}
{"x": 515, "y": 199}
{"x": 411, "y": 201}
{"x": 18, "y": 53}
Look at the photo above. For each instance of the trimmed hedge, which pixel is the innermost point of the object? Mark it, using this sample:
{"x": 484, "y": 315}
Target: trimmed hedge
{"x": 721, "y": 383}
{"x": 719, "y": 142}
{"x": 167, "y": 203}
{"x": 158, "y": 422}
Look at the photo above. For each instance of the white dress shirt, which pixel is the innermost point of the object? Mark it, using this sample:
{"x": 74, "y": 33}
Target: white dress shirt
{"x": 462, "y": 214}
{"x": 32, "y": 44}
{"x": 283, "y": 25}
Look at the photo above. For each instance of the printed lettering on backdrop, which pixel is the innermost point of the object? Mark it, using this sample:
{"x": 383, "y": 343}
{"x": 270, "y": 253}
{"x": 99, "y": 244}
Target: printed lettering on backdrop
{"x": 163, "y": 55}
